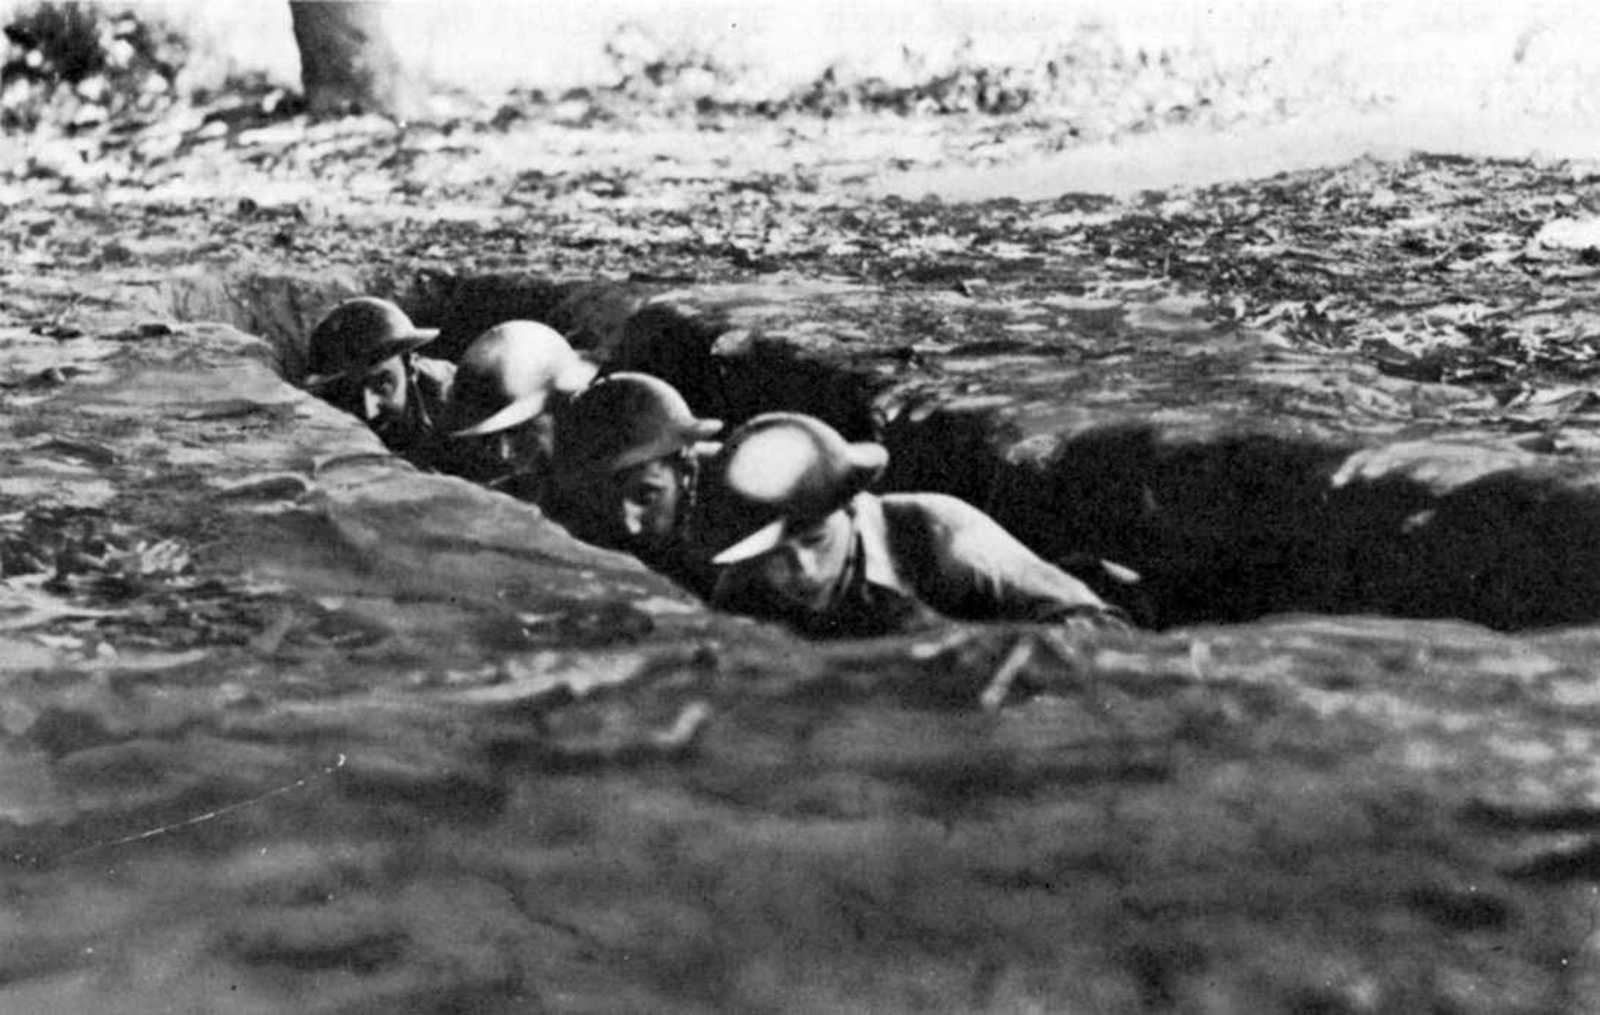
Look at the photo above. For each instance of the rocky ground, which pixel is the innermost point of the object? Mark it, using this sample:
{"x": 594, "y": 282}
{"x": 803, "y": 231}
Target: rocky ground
{"x": 291, "y": 726}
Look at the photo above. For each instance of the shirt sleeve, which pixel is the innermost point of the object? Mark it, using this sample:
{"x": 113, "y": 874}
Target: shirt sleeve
{"x": 974, "y": 569}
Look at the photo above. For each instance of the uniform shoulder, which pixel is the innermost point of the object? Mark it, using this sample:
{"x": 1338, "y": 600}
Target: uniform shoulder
{"x": 959, "y": 531}
{"x": 937, "y": 509}
{"x": 929, "y": 527}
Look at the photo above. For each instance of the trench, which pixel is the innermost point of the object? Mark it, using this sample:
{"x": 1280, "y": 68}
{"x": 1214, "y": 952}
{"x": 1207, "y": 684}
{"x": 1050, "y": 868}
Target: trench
{"x": 1223, "y": 523}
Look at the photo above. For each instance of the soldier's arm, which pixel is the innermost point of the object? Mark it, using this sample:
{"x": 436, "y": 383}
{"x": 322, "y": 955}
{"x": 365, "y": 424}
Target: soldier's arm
{"x": 994, "y": 576}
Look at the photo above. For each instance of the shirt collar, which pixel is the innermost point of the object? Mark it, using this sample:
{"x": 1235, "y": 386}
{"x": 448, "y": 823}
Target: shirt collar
{"x": 420, "y": 419}
{"x": 872, "y": 530}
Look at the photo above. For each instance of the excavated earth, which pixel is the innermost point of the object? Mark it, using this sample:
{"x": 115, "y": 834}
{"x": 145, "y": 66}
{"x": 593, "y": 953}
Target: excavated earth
{"x": 292, "y": 726}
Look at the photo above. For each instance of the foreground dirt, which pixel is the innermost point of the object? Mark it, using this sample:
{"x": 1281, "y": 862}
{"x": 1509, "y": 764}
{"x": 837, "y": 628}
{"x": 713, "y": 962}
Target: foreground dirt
{"x": 292, "y": 727}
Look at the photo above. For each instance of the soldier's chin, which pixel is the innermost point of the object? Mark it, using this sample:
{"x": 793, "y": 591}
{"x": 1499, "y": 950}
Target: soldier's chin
{"x": 808, "y": 599}
{"x": 651, "y": 542}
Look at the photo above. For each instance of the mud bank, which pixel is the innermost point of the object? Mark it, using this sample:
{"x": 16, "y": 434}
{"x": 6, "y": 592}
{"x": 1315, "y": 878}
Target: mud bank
{"x": 412, "y": 748}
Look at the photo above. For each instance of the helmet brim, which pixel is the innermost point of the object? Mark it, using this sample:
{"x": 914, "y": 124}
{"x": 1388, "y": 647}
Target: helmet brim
{"x": 665, "y": 444}
{"x": 867, "y": 462}
{"x": 515, "y": 414}
{"x": 397, "y": 346}
{"x": 862, "y": 463}
{"x": 576, "y": 376}
{"x": 762, "y": 541}
{"x": 573, "y": 378}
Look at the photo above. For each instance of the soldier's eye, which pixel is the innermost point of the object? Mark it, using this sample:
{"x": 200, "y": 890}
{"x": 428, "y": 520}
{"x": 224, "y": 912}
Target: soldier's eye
{"x": 344, "y": 392}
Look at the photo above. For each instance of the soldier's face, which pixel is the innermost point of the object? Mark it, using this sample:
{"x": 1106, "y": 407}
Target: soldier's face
{"x": 524, "y": 448}
{"x": 377, "y": 398}
{"x": 645, "y": 501}
{"x": 527, "y": 445}
{"x": 806, "y": 568}
{"x": 383, "y": 393}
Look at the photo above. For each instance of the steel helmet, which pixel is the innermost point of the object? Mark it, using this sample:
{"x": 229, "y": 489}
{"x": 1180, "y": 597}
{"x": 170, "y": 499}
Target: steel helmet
{"x": 784, "y": 467}
{"x": 507, "y": 375}
{"x": 626, "y": 419}
{"x": 356, "y": 336}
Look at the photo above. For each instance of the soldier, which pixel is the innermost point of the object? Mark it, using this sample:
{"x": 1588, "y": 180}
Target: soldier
{"x": 629, "y": 456}
{"x": 362, "y": 359}
{"x": 821, "y": 553}
{"x": 510, "y": 383}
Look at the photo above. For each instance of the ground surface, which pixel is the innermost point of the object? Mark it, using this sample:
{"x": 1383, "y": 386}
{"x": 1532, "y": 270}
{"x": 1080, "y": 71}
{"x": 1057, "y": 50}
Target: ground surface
{"x": 291, "y": 727}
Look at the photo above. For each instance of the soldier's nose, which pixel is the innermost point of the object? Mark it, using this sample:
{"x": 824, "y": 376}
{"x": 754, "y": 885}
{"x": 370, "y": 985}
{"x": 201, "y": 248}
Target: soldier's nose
{"x": 371, "y": 406}
{"x": 505, "y": 447}
{"x": 805, "y": 562}
{"x": 632, "y": 519}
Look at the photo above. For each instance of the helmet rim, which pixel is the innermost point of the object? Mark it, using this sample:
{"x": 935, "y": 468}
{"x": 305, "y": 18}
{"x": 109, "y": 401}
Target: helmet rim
{"x": 359, "y": 334}
{"x": 512, "y": 356}
{"x": 626, "y": 419}
{"x": 837, "y": 472}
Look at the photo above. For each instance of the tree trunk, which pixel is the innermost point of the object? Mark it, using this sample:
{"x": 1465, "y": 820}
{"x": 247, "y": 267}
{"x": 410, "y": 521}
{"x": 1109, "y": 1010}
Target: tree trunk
{"x": 347, "y": 63}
